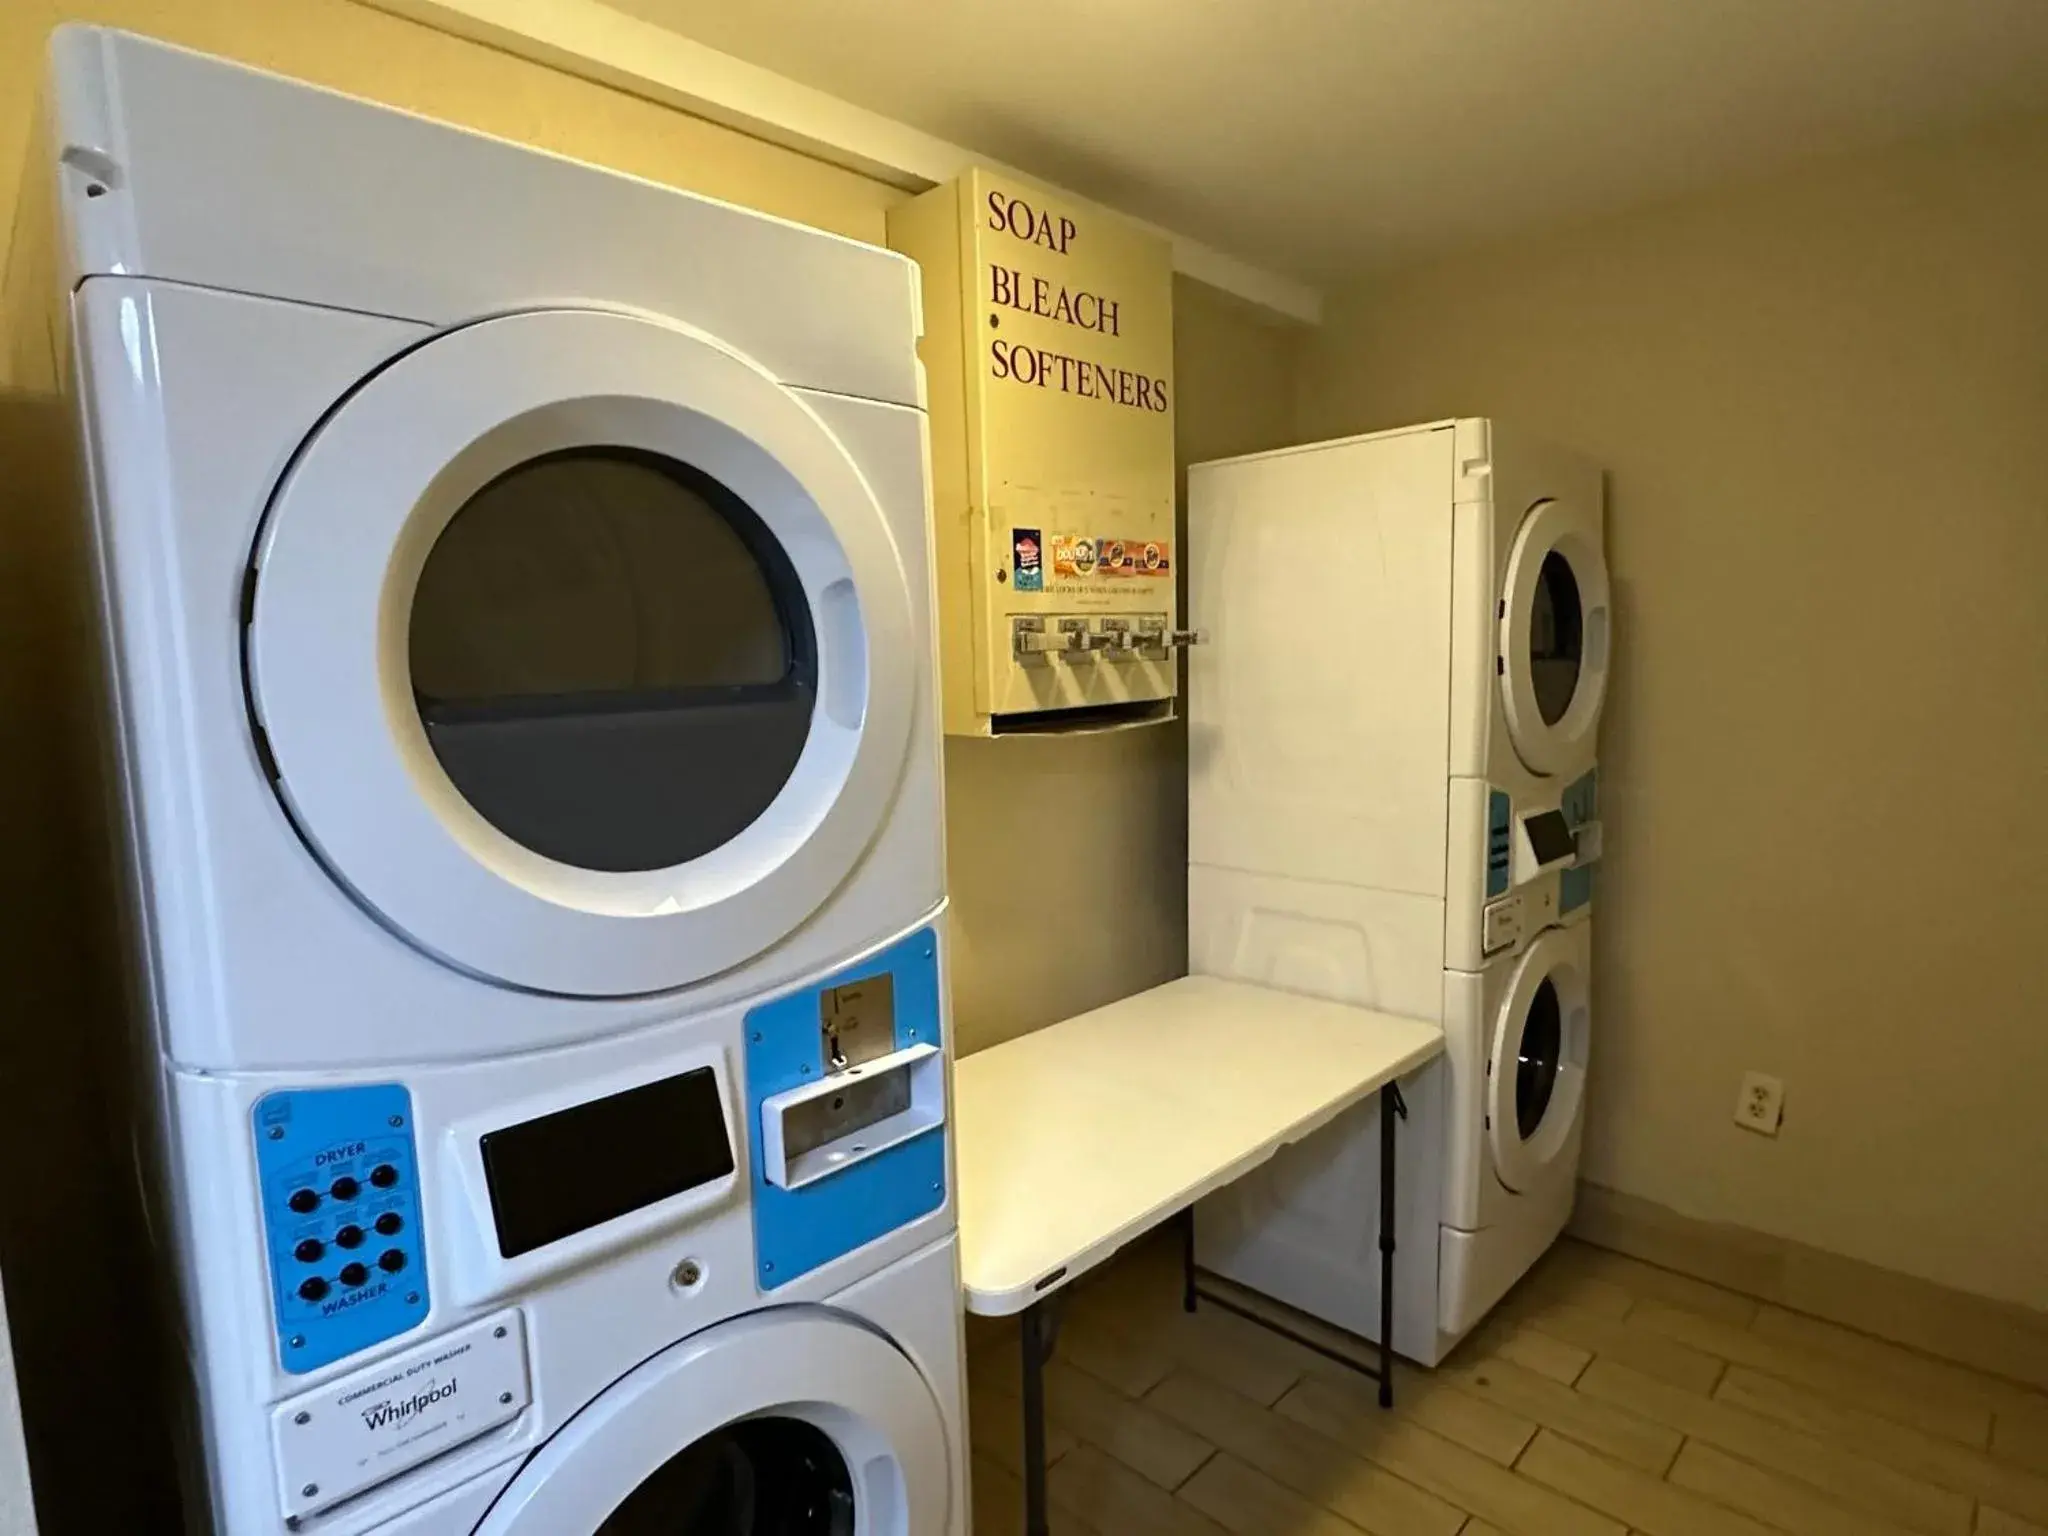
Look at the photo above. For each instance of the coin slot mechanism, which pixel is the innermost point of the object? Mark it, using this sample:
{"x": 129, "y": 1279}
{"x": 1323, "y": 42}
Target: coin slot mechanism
{"x": 819, "y": 1129}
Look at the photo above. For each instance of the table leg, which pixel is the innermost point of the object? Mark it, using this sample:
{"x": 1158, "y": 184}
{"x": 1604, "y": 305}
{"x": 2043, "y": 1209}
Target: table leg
{"x": 1037, "y": 1343}
{"x": 1187, "y": 1259}
{"x": 1391, "y": 1106}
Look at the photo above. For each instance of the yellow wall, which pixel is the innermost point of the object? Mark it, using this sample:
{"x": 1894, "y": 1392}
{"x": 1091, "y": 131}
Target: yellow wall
{"x": 1823, "y": 404}
{"x": 1067, "y": 856}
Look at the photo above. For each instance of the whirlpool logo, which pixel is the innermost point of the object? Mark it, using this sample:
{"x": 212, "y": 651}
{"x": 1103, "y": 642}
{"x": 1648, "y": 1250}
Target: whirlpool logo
{"x": 397, "y": 1412}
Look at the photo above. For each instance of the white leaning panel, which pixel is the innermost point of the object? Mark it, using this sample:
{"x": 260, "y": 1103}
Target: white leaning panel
{"x": 227, "y": 177}
{"x": 1317, "y": 706}
{"x": 1304, "y": 1228}
{"x": 1348, "y": 943}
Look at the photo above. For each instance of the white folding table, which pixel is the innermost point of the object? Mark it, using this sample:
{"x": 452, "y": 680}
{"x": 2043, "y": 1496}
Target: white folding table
{"x": 1076, "y": 1139}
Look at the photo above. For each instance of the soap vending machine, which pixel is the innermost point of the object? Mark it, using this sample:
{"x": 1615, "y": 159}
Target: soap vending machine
{"x": 1048, "y": 354}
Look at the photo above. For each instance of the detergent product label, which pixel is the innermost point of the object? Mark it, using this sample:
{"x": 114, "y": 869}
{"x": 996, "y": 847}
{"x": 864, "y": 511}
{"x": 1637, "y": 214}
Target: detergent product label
{"x": 1073, "y": 555}
{"x": 1027, "y": 560}
{"x": 1134, "y": 557}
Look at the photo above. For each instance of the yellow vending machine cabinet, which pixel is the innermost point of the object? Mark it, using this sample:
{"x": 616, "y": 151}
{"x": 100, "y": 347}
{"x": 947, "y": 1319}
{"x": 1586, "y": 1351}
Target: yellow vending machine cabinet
{"x": 1048, "y": 352}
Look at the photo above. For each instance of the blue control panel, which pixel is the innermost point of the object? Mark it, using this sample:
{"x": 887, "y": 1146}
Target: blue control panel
{"x": 1580, "y": 804}
{"x": 341, "y": 1216}
{"x": 799, "y": 1230}
{"x": 1500, "y": 847}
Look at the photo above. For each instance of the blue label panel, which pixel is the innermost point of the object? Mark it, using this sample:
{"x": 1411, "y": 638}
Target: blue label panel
{"x": 1580, "y": 804}
{"x": 1581, "y": 800}
{"x": 799, "y": 1230}
{"x": 341, "y": 1217}
{"x": 1499, "y": 842}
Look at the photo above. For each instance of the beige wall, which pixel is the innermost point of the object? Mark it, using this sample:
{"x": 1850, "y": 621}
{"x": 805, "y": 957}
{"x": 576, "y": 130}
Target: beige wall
{"x": 1067, "y": 856}
{"x": 1823, "y": 404}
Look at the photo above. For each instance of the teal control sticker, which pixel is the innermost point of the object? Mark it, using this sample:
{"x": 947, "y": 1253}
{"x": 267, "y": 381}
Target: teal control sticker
{"x": 1581, "y": 804}
{"x": 1499, "y": 842}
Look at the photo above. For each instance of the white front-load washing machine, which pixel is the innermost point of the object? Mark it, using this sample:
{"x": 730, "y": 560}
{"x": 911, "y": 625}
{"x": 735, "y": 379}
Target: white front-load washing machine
{"x": 1392, "y": 802}
{"x": 1515, "y": 1045}
{"x": 515, "y": 588}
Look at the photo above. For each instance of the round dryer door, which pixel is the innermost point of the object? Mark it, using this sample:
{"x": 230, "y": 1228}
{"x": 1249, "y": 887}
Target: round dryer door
{"x": 789, "y": 1423}
{"x": 1554, "y": 637}
{"x": 583, "y": 652}
{"x": 1536, "y": 1080}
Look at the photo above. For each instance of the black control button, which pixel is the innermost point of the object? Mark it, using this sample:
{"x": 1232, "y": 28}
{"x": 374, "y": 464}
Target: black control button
{"x": 391, "y": 1260}
{"x": 353, "y": 1275}
{"x": 312, "y": 1288}
{"x": 345, "y": 1188}
{"x": 304, "y": 1200}
{"x": 349, "y": 1237}
{"x": 389, "y": 1223}
{"x": 309, "y": 1250}
{"x": 383, "y": 1175}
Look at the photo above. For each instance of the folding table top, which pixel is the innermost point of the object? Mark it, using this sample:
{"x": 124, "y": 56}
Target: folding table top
{"x": 1082, "y": 1136}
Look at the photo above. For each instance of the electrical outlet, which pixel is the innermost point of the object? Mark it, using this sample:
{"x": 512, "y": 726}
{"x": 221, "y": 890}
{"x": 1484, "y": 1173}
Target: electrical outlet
{"x": 1760, "y": 1106}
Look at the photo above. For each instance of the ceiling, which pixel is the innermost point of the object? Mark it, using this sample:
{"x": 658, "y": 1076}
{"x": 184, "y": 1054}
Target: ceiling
{"x": 1322, "y": 138}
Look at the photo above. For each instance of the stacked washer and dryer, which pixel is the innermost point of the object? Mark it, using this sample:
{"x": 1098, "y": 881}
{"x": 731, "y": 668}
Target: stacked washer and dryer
{"x": 1393, "y": 802}
{"x": 515, "y": 588}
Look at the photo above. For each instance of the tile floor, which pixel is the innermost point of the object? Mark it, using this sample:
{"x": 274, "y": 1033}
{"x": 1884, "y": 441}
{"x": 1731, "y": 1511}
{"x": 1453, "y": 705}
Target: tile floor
{"x": 1604, "y": 1397}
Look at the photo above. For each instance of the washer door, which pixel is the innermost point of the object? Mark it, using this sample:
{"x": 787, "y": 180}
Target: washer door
{"x": 582, "y": 652}
{"x": 1536, "y": 1073}
{"x": 796, "y": 1422}
{"x": 1554, "y": 631}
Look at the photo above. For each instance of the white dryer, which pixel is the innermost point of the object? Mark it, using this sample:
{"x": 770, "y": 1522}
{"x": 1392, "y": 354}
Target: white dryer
{"x": 1392, "y": 802}
{"x": 516, "y": 594}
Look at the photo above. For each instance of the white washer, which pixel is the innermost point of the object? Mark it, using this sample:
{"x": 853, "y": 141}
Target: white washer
{"x": 517, "y": 609}
{"x": 1392, "y": 798}
{"x": 1516, "y": 1037}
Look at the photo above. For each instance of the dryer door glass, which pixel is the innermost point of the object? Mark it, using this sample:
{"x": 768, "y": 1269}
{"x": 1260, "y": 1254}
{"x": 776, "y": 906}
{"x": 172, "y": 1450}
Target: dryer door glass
{"x": 1536, "y": 1059}
{"x": 764, "y": 1477}
{"x": 1557, "y": 627}
{"x": 613, "y": 659}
